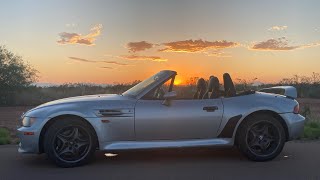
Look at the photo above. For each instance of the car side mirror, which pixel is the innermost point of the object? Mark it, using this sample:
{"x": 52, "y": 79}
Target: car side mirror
{"x": 168, "y": 96}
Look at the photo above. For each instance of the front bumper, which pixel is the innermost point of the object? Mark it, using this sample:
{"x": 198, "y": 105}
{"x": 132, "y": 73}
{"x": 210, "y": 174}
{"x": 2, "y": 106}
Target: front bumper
{"x": 295, "y": 123}
{"x": 29, "y": 140}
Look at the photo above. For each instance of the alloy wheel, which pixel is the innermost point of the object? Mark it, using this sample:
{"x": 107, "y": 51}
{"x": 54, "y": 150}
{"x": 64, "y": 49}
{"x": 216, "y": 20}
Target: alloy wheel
{"x": 263, "y": 138}
{"x": 72, "y": 144}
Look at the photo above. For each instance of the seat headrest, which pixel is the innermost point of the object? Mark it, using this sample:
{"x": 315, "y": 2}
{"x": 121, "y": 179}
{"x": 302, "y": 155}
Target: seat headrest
{"x": 226, "y": 76}
{"x": 201, "y": 84}
{"x": 229, "y": 88}
{"x": 213, "y": 84}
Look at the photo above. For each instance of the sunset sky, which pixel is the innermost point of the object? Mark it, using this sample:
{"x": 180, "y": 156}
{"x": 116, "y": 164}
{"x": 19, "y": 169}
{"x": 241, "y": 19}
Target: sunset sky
{"x": 125, "y": 40}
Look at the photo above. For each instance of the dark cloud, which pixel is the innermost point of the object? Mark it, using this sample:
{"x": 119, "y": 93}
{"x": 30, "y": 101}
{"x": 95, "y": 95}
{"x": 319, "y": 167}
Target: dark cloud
{"x": 141, "y": 58}
{"x": 82, "y": 60}
{"x": 114, "y": 62}
{"x": 279, "y": 44}
{"x": 105, "y": 67}
{"x": 95, "y": 61}
{"x": 139, "y": 46}
{"x": 75, "y": 38}
{"x": 192, "y": 46}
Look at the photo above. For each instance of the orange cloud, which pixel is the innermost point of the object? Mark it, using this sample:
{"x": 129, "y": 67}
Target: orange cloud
{"x": 192, "y": 46}
{"x": 141, "y": 58}
{"x": 280, "y": 44}
{"x": 75, "y": 38}
{"x": 139, "y": 46}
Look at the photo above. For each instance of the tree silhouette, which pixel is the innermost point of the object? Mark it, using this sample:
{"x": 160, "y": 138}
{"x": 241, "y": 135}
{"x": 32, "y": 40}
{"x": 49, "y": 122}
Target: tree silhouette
{"x": 15, "y": 74}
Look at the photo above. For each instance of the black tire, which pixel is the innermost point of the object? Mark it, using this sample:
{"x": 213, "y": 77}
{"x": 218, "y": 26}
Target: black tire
{"x": 255, "y": 143}
{"x": 70, "y": 142}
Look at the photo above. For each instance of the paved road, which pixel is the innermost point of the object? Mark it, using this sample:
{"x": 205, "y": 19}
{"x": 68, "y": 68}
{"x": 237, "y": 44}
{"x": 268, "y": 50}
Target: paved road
{"x": 299, "y": 160}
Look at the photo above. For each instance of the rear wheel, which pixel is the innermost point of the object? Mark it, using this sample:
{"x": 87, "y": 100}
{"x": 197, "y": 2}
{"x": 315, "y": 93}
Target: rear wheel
{"x": 70, "y": 142}
{"x": 261, "y": 137}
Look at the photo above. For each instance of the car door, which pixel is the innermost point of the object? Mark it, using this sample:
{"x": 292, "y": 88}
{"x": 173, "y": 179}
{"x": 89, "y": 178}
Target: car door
{"x": 183, "y": 119}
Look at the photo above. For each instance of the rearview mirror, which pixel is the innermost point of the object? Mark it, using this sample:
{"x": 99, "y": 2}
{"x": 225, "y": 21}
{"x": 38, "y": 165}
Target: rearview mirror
{"x": 168, "y": 96}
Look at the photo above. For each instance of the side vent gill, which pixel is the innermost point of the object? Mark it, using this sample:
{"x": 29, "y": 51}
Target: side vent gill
{"x": 114, "y": 112}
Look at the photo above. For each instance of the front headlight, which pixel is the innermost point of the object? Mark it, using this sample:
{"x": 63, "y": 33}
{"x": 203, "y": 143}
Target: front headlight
{"x": 28, "y": 121}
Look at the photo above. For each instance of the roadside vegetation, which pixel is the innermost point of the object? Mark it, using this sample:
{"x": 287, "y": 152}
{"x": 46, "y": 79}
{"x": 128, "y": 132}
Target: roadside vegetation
{"x": 312, "y": 125}
{"x": 307, "y": 86}
{"x": 4, "y": 136}
{"x": 31, "y": 95}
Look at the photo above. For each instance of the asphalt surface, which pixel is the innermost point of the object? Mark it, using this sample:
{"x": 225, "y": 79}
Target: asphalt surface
{"x": 299, "y": 160}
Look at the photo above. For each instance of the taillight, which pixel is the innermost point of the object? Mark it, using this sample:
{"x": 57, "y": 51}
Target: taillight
{"x": 296, "y": 109}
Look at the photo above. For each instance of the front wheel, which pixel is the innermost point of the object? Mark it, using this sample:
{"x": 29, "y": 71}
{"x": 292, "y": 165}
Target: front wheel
{"x": 261, "y": 138}
{"x": 69, "y": 142}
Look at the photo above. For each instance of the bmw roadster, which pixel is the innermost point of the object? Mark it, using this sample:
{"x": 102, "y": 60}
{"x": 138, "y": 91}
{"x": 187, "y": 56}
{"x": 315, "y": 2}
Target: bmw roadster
{"x": 150, "y": 115}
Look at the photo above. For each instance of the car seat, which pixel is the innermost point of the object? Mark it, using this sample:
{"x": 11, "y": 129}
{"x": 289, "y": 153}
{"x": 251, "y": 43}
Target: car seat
{"x": 201, "y": 89}
{"x": 229, "y": 88}
{"x": 213, "y": 88}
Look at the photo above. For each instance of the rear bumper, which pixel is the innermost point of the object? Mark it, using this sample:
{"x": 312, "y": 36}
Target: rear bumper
{"x": 295, "y": 123}
{"x": 29, "y": 140}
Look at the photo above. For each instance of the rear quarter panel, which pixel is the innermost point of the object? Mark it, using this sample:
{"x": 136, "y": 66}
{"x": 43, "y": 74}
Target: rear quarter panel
{"x": 247, "y": 104}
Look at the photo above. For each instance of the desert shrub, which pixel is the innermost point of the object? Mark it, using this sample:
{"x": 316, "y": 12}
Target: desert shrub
{"x": 313, "y": 124}
{"x": 306, "y": 111}
{"x": 314, "y": 92}
{"x": 312, "y": 127}
{"x": 4, "y": 136}
{"x": 311, "y": 130}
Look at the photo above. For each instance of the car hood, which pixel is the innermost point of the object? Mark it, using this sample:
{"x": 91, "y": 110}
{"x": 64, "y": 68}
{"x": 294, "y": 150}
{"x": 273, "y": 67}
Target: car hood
{"x": 89, "y": 98}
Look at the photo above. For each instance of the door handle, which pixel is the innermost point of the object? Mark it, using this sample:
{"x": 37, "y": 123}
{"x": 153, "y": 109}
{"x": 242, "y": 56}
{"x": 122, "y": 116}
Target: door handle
{"x": 210, "y": 108}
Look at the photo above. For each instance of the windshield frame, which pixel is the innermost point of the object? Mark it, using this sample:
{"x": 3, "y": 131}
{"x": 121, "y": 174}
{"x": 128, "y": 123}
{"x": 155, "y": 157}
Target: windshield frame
{"x": 163, "y": 76}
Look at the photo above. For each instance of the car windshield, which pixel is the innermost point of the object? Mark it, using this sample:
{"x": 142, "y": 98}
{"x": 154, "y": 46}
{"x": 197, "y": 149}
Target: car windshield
{"x": 137, "y": 89}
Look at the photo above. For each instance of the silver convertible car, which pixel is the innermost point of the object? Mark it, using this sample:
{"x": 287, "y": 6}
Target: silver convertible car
{"x": 151, "y": 115}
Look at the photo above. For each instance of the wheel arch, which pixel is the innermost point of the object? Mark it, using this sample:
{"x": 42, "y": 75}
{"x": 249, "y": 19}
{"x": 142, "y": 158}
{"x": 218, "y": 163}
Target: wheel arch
{"x": 54, "y": 119}
{"x": 269, "y": 112}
